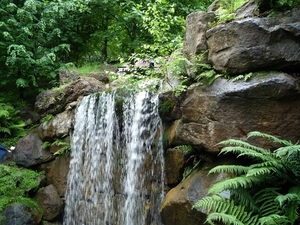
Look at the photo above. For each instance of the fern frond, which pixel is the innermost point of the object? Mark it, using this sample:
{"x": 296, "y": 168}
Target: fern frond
{"x": 242, "y": 151}
{"x": 233, "y": 169}
{"x": 290, "y": 152}
{"x": 264, "y": 171}
{"x": 270, "y": 137}
{"x": 224, "y": 218}
{"x": 234, "y": 183}
{"x": 5, "y": 130}
{"x": 273, "y": 219}
{"x": 291, "y": 201}
{"x": 233, "y": 142}
{"x": 226, "y": 211}
{"x": 209, "y": 202}
{"x": 265, "y": 198}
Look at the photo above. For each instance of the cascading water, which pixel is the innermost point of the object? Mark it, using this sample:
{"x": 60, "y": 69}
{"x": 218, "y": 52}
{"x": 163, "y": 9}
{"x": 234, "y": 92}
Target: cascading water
{"x": 116, "y": 171}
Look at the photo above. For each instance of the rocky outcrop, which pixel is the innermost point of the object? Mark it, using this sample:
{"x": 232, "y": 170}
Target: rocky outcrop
{"x": 254, "y": 44}
{"x": 228, "y": 109}
{"x": 56, "y": 101}
{"x": 247, "y": 44}
{"x": 50, "y": 202}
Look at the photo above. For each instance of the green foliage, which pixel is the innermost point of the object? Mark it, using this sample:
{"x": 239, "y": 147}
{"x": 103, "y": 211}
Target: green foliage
{"x": 226, "y": 10}
{"x": 15, "y": 184}
{"x": 65, "y": 146}
{"x": 47, "y": 118}
{"x": 265, "y": 192}
{"x": 186, "y": 148}
{"x": 11, "y": 124}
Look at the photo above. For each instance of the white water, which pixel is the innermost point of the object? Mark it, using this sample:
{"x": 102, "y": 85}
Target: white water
{"x": 116, "y": 171}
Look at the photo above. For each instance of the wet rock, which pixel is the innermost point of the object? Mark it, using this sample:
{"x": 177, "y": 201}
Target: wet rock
{"x": 29, "y": 151}
{"x": 228, "y": 109}
{"x": 50, "y": 202}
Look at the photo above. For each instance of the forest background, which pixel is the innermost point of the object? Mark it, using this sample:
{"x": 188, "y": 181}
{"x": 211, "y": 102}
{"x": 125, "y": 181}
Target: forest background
{"x": 40, "y": 37}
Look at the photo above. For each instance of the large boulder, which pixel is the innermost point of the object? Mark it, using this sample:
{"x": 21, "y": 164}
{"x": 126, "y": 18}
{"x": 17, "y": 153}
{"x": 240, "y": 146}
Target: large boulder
{"x": 228, "y": 109}
{"x": 50, "y": 202}
{"x": 253, "y": 44}
{"x": 29, "y": 151}
{"x": 176, "y": 208}
{"x": 56, "y": 101}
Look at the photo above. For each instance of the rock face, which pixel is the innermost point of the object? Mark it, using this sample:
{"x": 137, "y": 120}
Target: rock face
{"x": 29, "y": 151}
{"x": 254, "y": 44}
{"x": 176, "y": 209}
{"x": 227, "y": 109}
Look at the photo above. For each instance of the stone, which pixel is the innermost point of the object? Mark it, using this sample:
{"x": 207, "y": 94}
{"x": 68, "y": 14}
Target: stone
{"x": 253, "y": 44}
{"x": 29, "y": 151}
{"x": 56, "y": 173}
{"x": 197, "y": 23}
{"x": 17, "y": 214}
{"x": 176, "y": 208}
{"x": 56, "y": 101}
{"x": 249, "y": 9}
{"x": 174, "y": 166}
{"x": 58, "y": 127}
{"x": 50, "y": 202}
{"x": 227, "y": 109}
{"x": 102, "y": 77}
{"x": 67, "y": 76}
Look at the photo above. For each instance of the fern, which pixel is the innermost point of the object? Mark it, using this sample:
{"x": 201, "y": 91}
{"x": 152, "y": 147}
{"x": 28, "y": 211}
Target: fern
{"x": 270, "y": 137}
{"x": 260, "y": 187}
{"x": 225, "y": 210}
{"x": 232, "y": 169}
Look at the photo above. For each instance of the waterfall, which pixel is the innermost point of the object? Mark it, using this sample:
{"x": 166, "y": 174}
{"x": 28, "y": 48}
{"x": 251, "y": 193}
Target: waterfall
{"x": 116, "y": 170}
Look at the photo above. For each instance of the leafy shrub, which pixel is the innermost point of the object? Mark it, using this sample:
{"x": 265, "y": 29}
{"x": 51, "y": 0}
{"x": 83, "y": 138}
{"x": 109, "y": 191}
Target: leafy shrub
{"x": 15, "y": 185}
{"x": 265, "y": 192}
